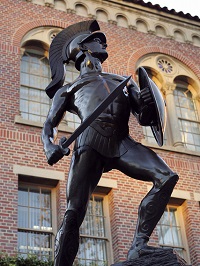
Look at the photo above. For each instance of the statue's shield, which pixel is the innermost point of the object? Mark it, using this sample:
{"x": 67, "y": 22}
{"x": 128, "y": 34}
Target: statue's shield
{"x": 159, "y": 121}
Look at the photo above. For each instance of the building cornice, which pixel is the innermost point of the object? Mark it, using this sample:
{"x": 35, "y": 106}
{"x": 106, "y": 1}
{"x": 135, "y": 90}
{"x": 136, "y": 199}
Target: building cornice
{"x": 136, "y": 15}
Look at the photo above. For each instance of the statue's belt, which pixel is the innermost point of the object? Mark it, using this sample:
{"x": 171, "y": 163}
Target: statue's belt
{"x": 107, "y": 129}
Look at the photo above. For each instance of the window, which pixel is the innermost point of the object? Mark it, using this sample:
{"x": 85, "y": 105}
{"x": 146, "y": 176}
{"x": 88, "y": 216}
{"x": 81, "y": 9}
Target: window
{"x": 180, "y": 88}
{"x": 72, "y": 120}
{"x": 35, "y": 76}
{"x": 93, "y": 235}
{"x": 72, "y": 73}
{"x": 149, "y": 137}
{"x": 35, "y": 221}
{"x": 188, "y": 118}
{"x": 170, "y": 231}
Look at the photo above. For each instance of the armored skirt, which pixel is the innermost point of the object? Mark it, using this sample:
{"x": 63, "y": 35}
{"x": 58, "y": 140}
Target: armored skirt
{"x": 106, "y": 139}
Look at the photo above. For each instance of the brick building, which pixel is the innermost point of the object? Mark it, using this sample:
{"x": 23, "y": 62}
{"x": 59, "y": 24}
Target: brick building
{"x": 32, "y": 194}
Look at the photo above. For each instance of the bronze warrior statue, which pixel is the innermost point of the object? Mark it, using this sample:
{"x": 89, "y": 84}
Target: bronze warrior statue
{"x": 104, "y": 144}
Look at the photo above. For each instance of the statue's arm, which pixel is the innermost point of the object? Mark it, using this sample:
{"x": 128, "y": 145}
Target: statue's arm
{"x": 141, "y": 103}
{"x": 58, "y": 108}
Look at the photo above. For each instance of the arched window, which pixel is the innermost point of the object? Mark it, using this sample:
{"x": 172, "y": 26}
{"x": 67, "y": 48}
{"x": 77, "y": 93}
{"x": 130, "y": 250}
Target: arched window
{"x": 101, "y": 15}
{"x": 81, "y": 10}
{"x": 180, "y": 90}
{"x": 35, "y": 76}
{"x": 160, "y": 31}
{"x": 179, "y": 36}
{"x": 141, "y": 26}
{"x": 196, "y": 40}
{"x": 122, "y": 21}
{"x": 187, "y": 117}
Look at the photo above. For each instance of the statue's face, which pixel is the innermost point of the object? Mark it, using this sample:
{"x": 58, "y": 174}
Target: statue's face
{"x": 97, "y": 49}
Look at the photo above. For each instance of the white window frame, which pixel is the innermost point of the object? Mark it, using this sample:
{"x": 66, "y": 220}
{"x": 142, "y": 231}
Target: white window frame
{"x": 107, "y": 229}
{"x": 53, "y": 230}
{"x": 42, "y": 53}
{"x": 181, "y": 225}
{"x": 180, "y": 119}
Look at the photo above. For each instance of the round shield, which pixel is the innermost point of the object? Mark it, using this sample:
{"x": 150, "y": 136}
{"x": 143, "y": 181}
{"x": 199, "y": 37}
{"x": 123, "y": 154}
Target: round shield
{"x": 159, "y": 123}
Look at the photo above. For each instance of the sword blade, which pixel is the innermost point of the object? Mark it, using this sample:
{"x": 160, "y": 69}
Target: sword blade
{"x": 98, "y": 110}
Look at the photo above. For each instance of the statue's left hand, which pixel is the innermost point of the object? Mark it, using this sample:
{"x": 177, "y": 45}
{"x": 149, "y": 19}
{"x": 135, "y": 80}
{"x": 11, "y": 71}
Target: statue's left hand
{"x": 145, "y": 96}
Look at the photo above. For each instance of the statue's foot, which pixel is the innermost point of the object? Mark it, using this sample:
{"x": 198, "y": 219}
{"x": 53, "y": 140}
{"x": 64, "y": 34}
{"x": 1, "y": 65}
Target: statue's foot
{"x": 137, "y": 252}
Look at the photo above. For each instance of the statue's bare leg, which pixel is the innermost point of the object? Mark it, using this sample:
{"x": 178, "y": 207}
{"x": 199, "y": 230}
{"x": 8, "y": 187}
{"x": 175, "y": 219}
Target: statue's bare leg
{"x": 143, "y": 164}
{"x": 85, "y": 172}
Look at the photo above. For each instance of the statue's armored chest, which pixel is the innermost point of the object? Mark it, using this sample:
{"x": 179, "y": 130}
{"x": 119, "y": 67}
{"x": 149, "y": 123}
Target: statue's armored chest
{"x": 88, "y": 92}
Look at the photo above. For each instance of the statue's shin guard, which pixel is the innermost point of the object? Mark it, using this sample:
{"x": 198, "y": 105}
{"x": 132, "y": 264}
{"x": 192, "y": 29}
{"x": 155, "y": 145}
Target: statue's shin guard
{"x": 151, "y": 209}
{"x": 67, "y": 240}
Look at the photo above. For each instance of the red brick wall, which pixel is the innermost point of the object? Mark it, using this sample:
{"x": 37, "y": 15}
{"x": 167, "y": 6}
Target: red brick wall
{"x": 21, "y": 144}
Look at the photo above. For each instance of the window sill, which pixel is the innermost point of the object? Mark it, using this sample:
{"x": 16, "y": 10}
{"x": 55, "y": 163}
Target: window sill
{"x": 62, "y": 127}
{"x": 170, "y": 148}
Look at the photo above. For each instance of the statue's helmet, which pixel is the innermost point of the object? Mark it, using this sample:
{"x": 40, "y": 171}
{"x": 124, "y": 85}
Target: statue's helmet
{"x": 75, "y": 50}
{"x": 68, "y": 46}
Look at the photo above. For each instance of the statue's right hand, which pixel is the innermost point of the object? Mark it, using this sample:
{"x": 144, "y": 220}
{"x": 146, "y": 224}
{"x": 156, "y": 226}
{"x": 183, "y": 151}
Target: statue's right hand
{"x": 54, "y": 153}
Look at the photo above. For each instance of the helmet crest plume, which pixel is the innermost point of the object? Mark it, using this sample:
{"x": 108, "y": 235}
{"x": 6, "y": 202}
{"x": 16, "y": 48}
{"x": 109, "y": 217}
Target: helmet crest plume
{"x": 58, "y": 51}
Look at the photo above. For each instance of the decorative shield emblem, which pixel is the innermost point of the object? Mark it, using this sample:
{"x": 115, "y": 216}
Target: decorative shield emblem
{"x": 159, "y": 122}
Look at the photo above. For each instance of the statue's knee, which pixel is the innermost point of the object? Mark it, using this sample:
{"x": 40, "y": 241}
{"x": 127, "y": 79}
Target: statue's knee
{"x": 71, "y": 216}
{"x": 171, "y": 180}
{"x": 69, "y": 225}
{"x": 167, "y": 184}
{"x": 70, "y": 220}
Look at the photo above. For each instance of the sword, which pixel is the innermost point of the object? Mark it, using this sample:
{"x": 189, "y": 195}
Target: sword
{"x": 64, "y": 142}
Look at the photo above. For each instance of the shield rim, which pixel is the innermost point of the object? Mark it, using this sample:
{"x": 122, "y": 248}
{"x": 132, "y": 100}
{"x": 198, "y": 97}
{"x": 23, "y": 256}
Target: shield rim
{"x": 158, "y": 129}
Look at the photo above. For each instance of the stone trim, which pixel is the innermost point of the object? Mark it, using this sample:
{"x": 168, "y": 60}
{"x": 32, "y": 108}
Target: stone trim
{"x": 178, "y": 194}
{"x": 38, "y": 172}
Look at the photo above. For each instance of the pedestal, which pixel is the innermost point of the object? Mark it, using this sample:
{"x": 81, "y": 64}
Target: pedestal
{"x": 161, "y": 258}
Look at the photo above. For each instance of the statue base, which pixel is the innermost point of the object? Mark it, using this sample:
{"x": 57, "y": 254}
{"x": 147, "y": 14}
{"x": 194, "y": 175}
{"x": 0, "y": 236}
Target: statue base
{"x": 162, "y": 258}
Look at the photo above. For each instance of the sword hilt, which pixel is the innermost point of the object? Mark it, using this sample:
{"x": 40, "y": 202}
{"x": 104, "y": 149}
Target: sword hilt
{"x": 62, "y": 144}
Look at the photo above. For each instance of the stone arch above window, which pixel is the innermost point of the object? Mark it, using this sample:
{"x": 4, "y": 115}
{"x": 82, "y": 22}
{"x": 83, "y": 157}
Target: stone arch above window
{"x": 81, "y": 10}
{"x": 101, "y": 15}
{"x": 37, "y": 46}
{"x": 42, "y": 34}
{"x": 141, "y": 26}
{"x": 196, "y": 40}
{"x": 122, "y": 21}
{"x": 160, "y": 31}
{"x": 179, "y": 36}
{"x": 166, "y": 68}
